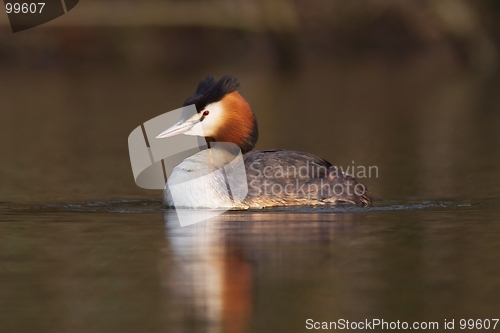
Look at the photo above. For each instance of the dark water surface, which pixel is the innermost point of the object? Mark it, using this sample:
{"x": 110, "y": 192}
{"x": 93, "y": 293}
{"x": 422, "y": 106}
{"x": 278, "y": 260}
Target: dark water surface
{"x": 83, "y": 250}
{"x": 125, "y": 267}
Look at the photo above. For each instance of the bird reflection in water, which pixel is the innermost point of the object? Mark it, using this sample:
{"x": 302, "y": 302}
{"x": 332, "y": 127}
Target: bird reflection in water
{"x": 213, "y": 277}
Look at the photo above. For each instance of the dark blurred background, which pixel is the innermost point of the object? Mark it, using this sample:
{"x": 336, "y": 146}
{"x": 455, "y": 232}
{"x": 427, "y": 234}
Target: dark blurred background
{"x": 408, "y": 86}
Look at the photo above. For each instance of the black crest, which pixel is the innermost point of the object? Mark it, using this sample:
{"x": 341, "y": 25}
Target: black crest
{"x": 210, "y": 91}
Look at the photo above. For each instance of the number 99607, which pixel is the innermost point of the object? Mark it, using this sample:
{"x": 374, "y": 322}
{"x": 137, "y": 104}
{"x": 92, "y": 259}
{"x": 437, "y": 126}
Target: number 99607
{"x": 478, "y": 324}
{"x": 24, "y": 8}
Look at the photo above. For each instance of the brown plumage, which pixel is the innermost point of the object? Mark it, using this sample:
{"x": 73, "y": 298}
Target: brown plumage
{"x": 238, "y": 124}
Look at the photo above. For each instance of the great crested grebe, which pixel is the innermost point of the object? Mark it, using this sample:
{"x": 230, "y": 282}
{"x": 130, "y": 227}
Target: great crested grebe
{"x": 274, "y": 177}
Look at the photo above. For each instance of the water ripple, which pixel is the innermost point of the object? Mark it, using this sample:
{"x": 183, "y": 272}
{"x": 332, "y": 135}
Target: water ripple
{"x": 155, "y": 206}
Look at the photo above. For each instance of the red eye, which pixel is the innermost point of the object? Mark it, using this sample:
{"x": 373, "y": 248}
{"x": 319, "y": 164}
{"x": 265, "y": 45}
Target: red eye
{"x": 206, "y": 113}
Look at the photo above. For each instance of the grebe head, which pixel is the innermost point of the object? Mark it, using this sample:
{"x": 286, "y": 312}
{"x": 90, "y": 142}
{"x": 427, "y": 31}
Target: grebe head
{"x": 223, "y": 115}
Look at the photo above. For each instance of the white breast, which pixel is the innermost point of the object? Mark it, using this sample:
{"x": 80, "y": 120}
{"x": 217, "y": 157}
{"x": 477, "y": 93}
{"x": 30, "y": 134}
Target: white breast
{"x": 202, "y": 181}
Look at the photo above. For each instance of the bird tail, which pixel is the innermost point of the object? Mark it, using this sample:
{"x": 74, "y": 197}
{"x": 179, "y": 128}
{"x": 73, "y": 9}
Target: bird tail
{"x": 347, "y": 189}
